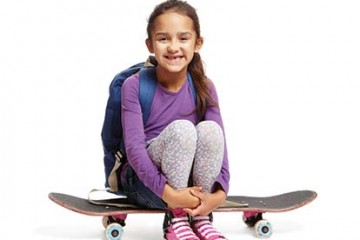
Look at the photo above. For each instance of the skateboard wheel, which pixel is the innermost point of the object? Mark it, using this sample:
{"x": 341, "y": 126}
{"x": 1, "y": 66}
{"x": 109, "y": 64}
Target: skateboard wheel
{"x": 114, "y": 231}
{"x": 263, "y": 229}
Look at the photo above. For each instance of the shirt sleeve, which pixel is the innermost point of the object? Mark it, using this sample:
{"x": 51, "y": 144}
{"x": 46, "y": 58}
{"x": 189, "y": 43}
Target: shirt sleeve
{"x": 213, "y": 113}
{"x": 134, "y": 137}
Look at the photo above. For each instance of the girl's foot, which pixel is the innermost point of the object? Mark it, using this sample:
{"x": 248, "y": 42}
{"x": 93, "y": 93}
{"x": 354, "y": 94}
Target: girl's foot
{"x": 204, "y": 229}
{"x": 177, "y": 227}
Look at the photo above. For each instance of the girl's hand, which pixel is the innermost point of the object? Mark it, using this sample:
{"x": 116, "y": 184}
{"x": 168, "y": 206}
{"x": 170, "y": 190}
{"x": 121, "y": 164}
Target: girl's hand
{"x": 185, "y": 199}
{"x": 181, "y": 198}
{"x": 209, "y": 202}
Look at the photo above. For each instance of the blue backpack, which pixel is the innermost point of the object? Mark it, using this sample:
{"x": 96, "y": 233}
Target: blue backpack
{"x": 112, "y": 133}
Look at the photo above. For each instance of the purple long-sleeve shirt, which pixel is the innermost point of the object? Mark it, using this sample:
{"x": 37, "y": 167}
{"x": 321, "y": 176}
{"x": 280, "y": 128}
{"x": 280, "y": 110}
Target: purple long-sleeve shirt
{"x": 166, "y": 107}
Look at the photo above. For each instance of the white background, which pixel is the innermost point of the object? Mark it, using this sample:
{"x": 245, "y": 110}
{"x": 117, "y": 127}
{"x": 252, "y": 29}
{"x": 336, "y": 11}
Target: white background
{"x": 287, "y": 74}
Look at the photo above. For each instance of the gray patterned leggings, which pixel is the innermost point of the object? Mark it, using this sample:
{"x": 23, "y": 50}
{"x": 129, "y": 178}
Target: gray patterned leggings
{"x": 181, "y": 144}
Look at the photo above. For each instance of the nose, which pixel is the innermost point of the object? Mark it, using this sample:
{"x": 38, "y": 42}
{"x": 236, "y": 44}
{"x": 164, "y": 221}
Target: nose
{"x": 173, "y": 46}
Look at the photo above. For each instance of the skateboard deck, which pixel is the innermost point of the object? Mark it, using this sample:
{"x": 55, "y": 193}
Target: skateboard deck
{"x": 251, "y": 206}
{"x": 278, "y": 203}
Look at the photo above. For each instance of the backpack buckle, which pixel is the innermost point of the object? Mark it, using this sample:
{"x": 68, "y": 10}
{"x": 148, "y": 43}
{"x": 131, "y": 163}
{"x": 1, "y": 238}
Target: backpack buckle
{"x": 118, "y": 156}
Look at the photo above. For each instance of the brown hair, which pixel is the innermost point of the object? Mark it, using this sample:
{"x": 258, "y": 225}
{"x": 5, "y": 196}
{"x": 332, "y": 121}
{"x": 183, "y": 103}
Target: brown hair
{"x": 195, "y": 67}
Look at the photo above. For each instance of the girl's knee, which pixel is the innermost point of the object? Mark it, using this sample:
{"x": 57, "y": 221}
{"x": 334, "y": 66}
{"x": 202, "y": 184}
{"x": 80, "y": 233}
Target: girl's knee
{"x": 183, "y": 130}
{"x": 209, "y": 127}
{"x": 210, "y": 133}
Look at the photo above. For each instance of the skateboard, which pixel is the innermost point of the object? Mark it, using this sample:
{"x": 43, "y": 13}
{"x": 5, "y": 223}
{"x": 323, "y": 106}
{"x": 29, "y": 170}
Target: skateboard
{"x": 115, "y": 211}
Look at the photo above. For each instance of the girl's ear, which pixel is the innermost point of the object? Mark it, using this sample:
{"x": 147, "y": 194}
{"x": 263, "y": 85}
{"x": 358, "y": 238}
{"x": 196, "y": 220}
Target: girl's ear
{"x": 198, "y": 44}
{"x": 149, "y": 45}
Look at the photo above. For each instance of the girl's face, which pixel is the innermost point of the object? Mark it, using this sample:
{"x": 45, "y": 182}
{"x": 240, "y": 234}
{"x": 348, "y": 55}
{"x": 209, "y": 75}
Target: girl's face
{"x": 173, "y": 41}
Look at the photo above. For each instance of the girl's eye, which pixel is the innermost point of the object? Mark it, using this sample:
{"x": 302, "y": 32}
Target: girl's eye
{"x": 185, "y": 37}
{"x": 162, "y": 39}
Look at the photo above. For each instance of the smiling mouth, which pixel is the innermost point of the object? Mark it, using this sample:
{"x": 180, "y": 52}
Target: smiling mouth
{"x": 174, "y": 59}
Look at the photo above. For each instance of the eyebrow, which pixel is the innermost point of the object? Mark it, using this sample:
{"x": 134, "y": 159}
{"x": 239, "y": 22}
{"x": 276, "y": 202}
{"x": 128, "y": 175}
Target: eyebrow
{"x": 167, "y": 34}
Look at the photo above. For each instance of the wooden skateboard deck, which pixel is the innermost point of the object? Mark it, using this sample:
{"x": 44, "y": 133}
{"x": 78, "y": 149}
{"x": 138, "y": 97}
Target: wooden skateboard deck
{"x": 278, "y": 203}
{"x": 253, "y": 208}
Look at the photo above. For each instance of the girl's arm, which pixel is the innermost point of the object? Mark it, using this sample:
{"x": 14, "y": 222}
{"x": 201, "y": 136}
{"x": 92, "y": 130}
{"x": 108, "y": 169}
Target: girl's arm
{"x": 135, "y": 139}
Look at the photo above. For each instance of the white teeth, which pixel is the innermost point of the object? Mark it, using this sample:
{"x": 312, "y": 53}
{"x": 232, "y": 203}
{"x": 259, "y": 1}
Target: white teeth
{"x": 175, "y": 57}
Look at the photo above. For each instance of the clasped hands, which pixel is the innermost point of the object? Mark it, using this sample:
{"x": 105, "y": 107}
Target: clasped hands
{"x": 194, "y": 201}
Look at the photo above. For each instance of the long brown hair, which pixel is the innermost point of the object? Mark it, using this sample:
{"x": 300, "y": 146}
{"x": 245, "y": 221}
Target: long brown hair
{"x": 196, "y": 68}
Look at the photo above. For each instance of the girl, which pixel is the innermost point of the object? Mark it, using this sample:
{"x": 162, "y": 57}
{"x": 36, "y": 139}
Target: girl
{"x": 177, "y": 160}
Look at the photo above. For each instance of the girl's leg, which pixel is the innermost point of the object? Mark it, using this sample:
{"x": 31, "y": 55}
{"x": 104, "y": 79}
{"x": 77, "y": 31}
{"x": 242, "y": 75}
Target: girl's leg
{"x": 209, "y": 154}
{"x": 173, "y": 151}
{"x": 207, "y": 165}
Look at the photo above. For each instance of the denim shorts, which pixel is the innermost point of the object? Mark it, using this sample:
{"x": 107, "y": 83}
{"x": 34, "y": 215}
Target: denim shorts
{"x": 137, "y": 193}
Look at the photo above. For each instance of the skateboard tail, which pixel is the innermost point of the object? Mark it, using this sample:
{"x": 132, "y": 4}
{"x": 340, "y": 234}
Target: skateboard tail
{"x": 69, "y": 206}
{"x": 83, "y": 206}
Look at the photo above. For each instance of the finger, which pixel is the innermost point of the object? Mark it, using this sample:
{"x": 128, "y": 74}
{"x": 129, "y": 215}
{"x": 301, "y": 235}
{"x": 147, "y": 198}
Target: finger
{"x": 188, "y": 211}
{"x": 196, "y": 188}
{"x": 192, "y": 212}
{"x": 198, "y": 194}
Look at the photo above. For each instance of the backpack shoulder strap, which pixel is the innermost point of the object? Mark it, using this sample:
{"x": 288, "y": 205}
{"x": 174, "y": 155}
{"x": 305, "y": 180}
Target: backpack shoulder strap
{"x": 147, "y": 86}
{"x": 192, "y": 87}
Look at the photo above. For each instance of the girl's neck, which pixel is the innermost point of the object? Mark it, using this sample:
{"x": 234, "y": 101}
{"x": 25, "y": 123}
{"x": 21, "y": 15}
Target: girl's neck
{"x": 169, "y": 80}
